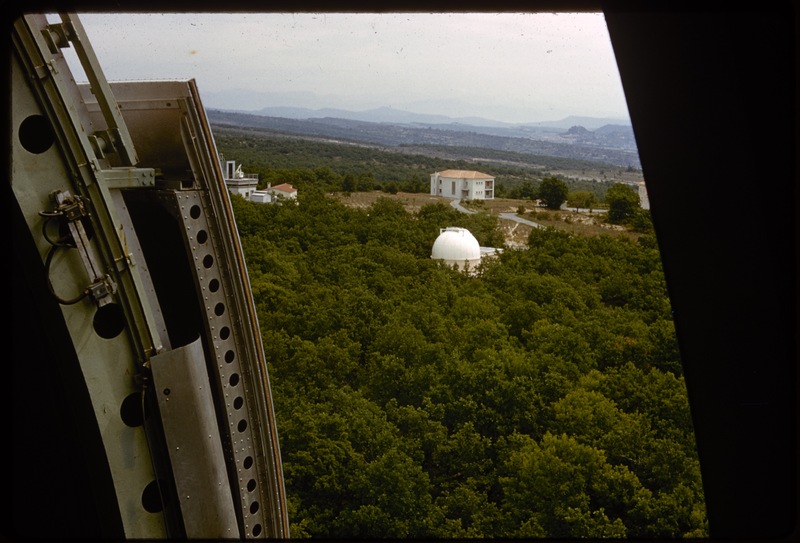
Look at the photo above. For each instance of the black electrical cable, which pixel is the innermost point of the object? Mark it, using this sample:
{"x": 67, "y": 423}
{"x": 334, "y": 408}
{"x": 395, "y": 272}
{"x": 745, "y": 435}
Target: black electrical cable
{"x": 47, "y": 262}
{"x": 64, "y": 241}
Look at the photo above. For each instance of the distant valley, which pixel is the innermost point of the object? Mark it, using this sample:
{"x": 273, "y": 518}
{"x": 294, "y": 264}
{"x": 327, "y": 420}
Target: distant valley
{"x": 580, "y": 138}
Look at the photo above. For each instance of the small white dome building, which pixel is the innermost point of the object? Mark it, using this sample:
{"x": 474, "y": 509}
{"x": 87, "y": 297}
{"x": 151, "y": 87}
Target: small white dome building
{"x": 457, "y": 246}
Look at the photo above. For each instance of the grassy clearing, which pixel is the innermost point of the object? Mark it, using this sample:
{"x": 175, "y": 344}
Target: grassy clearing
{"x": 582, "y": 223}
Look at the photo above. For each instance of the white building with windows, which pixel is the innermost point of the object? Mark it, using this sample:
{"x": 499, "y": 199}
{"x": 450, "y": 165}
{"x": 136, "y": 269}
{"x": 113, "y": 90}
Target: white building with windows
{"x": 246, "y": 185}
{"x": 462, "y": 184}
{"x": 238, "y": 182}
{"x": 271, "y": 195}
{"x": 284, "y": 191}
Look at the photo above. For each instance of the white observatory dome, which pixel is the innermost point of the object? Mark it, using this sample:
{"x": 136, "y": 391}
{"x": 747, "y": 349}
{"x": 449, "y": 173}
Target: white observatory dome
{"x": 456, "y": 246}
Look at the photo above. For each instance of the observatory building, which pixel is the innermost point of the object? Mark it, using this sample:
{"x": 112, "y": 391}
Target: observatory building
{"x": 238, "y": 182}
{"x": 458, "y": 247}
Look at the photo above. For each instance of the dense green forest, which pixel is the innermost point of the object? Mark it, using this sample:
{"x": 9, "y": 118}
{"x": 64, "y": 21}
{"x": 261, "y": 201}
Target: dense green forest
{"x": 540, "y": 397}
{"x": 352, "y": 167}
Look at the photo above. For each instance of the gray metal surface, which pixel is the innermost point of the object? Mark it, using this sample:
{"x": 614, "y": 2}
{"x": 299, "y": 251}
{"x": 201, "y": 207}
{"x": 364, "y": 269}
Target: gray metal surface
{"x": 191, "y": 188}
{"x": 159, "y": 223}
{"x": 57, "y": 155}
{"x": 186, "y": 407}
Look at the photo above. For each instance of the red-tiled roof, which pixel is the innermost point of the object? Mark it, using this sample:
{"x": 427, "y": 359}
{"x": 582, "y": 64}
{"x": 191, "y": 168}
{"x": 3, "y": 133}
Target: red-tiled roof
{"x": 284, "y": 187}
{"x": 465, "y": 174}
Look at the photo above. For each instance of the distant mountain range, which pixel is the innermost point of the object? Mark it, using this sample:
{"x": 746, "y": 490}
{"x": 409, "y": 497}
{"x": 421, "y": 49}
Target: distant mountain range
{"x": 303, "y": 106}
{"x": 399, "y": 116}
{"x": 606, "y": 143}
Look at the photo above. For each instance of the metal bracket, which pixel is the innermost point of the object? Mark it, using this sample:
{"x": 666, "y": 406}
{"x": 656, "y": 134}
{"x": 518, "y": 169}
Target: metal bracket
{"x": 73, "y": 209}
{"x": 117, "y": 132}
{"x": 123, "y": 178}
{"x": 57, "y": 36}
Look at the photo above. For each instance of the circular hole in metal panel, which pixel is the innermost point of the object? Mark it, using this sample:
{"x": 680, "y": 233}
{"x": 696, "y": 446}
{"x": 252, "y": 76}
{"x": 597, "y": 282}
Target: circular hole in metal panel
{"x": 109, "y": 322}
{"x": 195, "y": 212}
{"x": 131, "y": 411}
{"x": 36, "y": 135}
{"x": 151, "y": 498}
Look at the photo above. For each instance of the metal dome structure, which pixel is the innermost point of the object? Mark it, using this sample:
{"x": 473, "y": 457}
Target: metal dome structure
{"x": 457, "y": 246}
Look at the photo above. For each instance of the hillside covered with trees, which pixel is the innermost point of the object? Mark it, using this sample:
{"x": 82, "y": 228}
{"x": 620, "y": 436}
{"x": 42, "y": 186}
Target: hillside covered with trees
{"x": 541, "y": 397}
{"x": 354, "y": 167}
{"x": 613, "y": 145}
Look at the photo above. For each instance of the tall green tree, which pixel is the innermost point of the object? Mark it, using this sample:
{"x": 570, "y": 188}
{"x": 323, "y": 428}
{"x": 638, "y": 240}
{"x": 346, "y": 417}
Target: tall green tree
{"x": 581, "y": 199}
{"x": 562, "y": 488}
{"x": 641, "y": 221}
{"x": 553, "y": 192}
{"x": 623, "y": 202}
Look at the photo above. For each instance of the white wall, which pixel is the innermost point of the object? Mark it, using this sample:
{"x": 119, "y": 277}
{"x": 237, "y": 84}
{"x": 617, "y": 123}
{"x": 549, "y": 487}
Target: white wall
{"x": 450, "y": 187}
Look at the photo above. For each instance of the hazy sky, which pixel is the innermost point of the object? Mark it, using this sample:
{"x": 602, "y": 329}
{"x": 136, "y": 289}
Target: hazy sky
{"x": 516, "y": 67}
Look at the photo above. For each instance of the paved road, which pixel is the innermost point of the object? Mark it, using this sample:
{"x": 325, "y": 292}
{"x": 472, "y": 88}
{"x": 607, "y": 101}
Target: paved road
{"x": 510, "y": 216}
{"x": 513, "y": 216}
{"x": 457, "y": 205}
